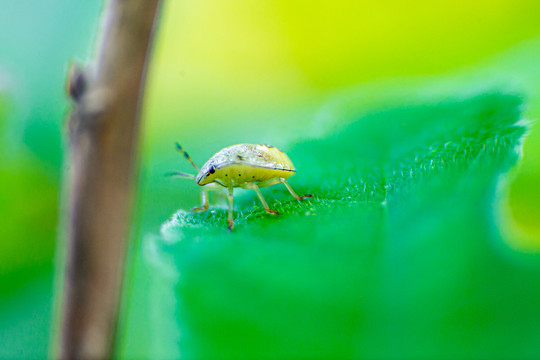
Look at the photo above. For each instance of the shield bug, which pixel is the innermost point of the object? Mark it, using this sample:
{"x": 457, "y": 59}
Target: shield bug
{"x": 246, "y": 166}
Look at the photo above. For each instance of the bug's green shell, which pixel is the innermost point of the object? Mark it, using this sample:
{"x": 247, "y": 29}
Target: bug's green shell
{"x": 238, "y": 164}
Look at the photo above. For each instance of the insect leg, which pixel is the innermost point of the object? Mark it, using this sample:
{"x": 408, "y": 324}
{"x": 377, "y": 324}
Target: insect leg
{"x": 269, "y": 182}
{"x": 204, "y": 200}
{"x": 263, "y": 201}
{"x": 230, "y": 197}
{"x": 295, "y": 195}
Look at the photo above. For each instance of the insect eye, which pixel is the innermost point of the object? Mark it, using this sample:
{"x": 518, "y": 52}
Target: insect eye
{"x": 212, "y": 170}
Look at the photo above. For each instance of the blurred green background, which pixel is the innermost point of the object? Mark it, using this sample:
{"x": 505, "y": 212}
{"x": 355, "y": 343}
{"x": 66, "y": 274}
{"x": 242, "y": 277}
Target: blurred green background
{"x": 238, "y": 71}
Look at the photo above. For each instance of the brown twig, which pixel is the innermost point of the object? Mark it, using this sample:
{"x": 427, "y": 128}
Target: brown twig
{"x": 104, "y": 129}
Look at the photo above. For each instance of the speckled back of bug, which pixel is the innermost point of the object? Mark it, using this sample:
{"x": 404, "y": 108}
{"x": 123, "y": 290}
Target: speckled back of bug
{"x": 238, "y": 164}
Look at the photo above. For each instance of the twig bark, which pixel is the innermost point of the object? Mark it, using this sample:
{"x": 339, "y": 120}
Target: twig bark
{"x": 104, "y": 129}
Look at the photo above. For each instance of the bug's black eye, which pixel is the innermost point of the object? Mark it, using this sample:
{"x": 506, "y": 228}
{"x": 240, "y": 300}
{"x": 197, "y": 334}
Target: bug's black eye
{"x": 212, "y": 170}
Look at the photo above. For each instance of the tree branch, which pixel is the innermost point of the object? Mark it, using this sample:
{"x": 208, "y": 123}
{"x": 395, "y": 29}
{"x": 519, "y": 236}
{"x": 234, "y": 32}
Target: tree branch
{"x": 104, "y": 129}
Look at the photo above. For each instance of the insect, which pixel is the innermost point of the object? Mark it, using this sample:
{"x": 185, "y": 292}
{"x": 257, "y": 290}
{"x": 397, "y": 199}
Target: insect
{"x": 246, "y": 166}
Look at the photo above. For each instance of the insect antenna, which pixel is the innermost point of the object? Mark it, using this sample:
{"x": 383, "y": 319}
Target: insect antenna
{"x": 180, "y": 175}
{"x": 186, "y": 155}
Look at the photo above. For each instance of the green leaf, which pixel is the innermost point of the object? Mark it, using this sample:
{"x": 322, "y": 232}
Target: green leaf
{"x": 398, "y": 254}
